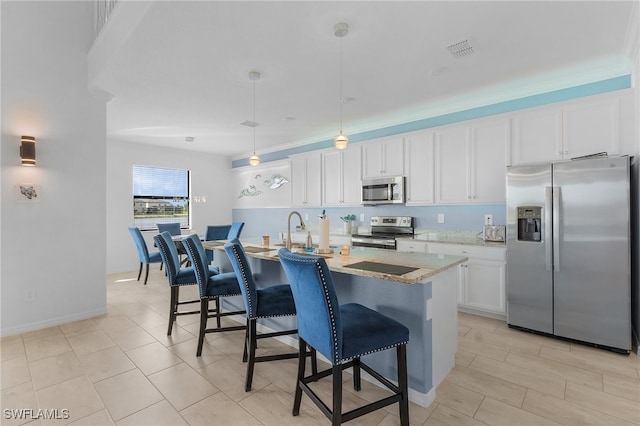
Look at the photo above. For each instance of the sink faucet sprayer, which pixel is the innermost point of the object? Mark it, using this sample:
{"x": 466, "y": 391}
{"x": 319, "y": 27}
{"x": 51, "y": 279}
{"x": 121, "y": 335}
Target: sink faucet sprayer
{"x": 302, "y": 225}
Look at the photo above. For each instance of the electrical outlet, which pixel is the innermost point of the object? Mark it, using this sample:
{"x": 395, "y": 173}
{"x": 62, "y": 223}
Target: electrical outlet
{"x": 440, "y": 217}
{"x": 306, "y": 217}
{"x": 30, "y": 295}
{"x": 361, "y": 217}
{"x": 488, "y": 219}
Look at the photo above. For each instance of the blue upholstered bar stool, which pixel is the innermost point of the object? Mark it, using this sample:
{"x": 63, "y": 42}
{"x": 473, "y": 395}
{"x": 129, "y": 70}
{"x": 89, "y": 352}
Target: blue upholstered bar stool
{"x": 342, "y": 333}
{"x": 177, "y": 276}
{"x": 268, "y": 302}
{"x": 212, "y": 287}
{"x": 235, "y": 230}
{"x": 143, "y": 253}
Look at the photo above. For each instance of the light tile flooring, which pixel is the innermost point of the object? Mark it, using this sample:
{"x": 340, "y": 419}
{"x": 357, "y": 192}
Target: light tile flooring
{"x": 122, "y": 369}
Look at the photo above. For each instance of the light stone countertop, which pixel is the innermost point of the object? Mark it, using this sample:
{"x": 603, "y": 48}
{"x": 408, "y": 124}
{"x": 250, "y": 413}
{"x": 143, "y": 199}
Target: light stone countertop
{"x": 428, "y": 264}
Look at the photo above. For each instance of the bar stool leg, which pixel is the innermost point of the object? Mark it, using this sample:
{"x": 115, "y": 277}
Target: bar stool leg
{"x": 302, "y": 361}
{"x": 401, "y": 353}
{"x": 204, "y": 314}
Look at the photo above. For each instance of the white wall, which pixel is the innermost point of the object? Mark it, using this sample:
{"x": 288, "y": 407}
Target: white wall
{"x": 52, "y": 248}
{"x": 210, "y": 177}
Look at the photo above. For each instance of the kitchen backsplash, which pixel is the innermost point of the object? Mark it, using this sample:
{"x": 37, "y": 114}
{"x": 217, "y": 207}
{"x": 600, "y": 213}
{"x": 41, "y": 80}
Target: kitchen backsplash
{"x": 260, "y": 221}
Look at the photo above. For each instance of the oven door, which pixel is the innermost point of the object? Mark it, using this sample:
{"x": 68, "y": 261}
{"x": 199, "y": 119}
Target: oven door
{"x": 373, "y": 242}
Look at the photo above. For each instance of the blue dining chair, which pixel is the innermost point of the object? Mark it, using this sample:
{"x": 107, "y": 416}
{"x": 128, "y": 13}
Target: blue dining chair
{"x": 178, "y": 277}
{"x": 343, "y": 334}
{"x": 145, "y": 256}
{"x": 215, "y": 232}
{"x": 173, "y": 229}
{"x": 268, "y": 302}
{"x": 211, "y": 287}
{"x": 235, "y": 231}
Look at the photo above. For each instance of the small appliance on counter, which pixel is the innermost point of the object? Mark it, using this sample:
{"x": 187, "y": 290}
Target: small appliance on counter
{"x": 494, "y": 233}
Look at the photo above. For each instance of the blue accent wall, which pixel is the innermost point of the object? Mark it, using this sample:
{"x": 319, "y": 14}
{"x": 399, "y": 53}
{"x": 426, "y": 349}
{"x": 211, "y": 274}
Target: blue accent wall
{"x": 457, "y": 217}
{"x": 598, "y": 87}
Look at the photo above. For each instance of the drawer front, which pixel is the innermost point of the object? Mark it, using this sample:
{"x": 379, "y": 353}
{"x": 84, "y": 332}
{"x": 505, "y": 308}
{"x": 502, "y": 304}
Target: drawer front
{"x": 411, "y": 246}
{"x": 474, "y": 252}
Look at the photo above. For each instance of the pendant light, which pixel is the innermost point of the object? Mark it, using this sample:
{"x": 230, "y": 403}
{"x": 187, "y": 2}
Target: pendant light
{"x": 254, "y": 160}
{"x": 341, "y": 30}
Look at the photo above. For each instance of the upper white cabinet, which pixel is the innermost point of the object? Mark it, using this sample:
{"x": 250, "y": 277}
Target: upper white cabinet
{"x": 306, "y": 180}
{"x": 419, "y": 167}
{"x": 573, "y": 129}
{"x": 470, "y": 162}
{"x": 383, "y": 157}
{"x": 537, "y": 136}
{"x": 590, "y": 127}
{"x": 341, "y": 177}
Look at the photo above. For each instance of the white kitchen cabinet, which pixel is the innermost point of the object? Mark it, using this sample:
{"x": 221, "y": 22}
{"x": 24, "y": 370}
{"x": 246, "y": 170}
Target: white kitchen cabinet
{"x": 383, "y": 157}
{"x": 537, "y": 136}
{"x": 470, "y": 163}
{"x": 482, "y": 279}
{"x": 591, "y": 126}
{"x": 573, "y": 129}
{"x": 419, "y": 168}
{"x": 306, "y": 180}
{"x": 341, "y": 177}
{"x": 409, "y": 245}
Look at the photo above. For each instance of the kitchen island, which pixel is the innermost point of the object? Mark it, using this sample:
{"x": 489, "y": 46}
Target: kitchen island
{"x": 416, "y": 289}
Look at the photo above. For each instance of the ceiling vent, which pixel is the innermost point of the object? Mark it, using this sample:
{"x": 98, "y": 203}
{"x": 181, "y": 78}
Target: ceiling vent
{"x": 461, "y": 49}
{"x": 250, "y": 123}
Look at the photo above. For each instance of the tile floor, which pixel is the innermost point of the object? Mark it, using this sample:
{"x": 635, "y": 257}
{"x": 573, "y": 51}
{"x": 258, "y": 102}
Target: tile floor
{"x": 122, "y": 369}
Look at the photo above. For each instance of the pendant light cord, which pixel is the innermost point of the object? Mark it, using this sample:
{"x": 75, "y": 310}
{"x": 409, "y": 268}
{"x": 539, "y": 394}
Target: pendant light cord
{"x": 254, "y": 117}
{"x": 341, "y": 85}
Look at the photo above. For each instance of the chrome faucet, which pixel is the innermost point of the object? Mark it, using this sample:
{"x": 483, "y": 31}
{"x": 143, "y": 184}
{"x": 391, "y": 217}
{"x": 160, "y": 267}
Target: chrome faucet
{"x": 302, "y": 225}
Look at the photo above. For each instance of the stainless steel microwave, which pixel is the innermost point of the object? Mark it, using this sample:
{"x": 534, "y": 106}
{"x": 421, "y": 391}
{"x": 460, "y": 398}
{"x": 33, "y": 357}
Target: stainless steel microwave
{"x": 386, "y": 190}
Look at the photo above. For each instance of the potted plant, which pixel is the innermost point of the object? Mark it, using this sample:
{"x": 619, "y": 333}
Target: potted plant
{"x": 347, "y": 222}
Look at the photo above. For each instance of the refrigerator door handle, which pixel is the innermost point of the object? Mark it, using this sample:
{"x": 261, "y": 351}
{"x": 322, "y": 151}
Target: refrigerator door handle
{"x": 556, "y": 228}
{"x": 547, "y": 226}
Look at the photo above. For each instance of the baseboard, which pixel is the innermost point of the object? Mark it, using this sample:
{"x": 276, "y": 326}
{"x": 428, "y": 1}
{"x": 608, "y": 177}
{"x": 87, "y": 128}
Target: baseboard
{"x": 52, "y": 322}
{"x": 482, "y": 313}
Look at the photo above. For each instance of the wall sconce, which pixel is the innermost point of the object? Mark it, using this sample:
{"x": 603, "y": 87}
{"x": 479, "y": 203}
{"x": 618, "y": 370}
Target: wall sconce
{"x": 28, "y": 150}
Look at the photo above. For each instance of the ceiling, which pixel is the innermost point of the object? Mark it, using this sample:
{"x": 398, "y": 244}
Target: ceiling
{"x": 183, "y": 70}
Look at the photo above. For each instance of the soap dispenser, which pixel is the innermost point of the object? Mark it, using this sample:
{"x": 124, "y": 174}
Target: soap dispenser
{"x": 309, "y": 246}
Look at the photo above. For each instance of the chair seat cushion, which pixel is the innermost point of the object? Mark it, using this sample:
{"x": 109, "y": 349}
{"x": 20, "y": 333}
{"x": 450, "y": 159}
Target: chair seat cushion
{"x": 365, "y": 331}
{"x": 187, "y": 276}
{"x": 154, "y": 257}
{"x": 275, "y": 300}
{"x": 225, "y": 284}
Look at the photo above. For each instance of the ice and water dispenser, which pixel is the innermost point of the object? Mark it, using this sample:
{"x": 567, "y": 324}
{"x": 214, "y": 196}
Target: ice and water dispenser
{"x": 530, "y": 223}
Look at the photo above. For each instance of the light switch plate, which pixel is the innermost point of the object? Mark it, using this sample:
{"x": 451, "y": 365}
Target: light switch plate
{"x": 440, "y": 217}
{"x": 361, "y": 217}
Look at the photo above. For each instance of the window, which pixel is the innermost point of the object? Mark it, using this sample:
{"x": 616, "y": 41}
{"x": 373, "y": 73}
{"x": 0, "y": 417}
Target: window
{"x": 160, "y": 196}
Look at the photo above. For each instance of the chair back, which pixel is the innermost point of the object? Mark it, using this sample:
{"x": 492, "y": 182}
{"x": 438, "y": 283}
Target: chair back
{"x": 217, "y": 232}
{"x": 241, "y": 267}
{"x": 316, "y": 302}
{"x": 235, "y": 231}
{"x": 171, "y": 228}
{"x": 198, "y": 260}
{"x": 141, "y": 245}
{"x": 169, "y": 254}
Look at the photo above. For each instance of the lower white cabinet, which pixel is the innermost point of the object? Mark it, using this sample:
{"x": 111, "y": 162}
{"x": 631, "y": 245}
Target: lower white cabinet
{"x": 481, "y": 279}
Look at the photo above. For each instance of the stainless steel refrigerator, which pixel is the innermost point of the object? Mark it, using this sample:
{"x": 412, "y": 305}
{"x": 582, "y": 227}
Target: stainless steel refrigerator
{"x": 568, "y": 250}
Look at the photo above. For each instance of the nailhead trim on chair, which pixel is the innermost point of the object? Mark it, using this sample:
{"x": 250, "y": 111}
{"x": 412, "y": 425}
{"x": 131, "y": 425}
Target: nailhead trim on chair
{"x": 246, "y": 286}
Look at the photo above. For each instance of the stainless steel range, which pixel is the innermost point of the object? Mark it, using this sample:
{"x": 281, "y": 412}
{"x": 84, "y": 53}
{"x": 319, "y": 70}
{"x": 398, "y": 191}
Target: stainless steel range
{"x": 384, "y": 231}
